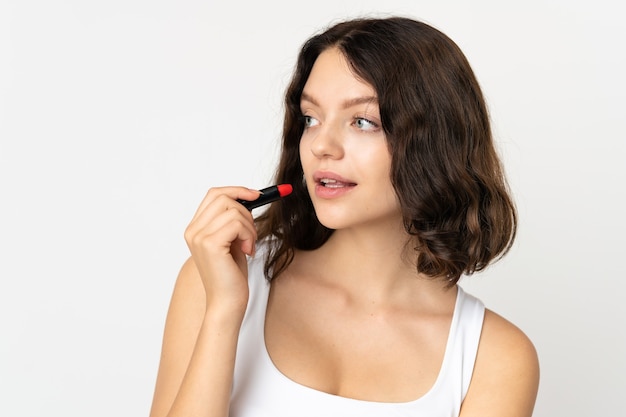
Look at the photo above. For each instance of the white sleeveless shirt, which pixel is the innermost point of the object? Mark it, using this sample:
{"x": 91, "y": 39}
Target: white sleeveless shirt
{"x": 261, "y": 390}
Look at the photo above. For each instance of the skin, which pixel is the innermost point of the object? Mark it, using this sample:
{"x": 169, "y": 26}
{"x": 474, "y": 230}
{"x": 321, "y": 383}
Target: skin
{"x": 356, "y": 300}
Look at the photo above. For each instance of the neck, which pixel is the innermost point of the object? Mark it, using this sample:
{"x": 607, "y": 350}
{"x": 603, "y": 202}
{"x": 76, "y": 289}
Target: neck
{"x": 371, "y": 265}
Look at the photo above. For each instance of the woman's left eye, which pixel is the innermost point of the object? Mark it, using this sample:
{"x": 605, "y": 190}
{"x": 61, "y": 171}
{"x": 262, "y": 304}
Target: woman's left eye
{"x": 365, "y": 124}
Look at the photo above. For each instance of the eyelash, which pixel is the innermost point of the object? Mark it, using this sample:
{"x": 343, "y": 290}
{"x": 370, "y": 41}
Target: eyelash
{"x": 374, "y": 125}
{"x": 306, "y": 120}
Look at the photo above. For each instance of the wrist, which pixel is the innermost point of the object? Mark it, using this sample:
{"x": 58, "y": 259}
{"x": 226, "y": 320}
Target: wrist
{"x": 224, "y": 316}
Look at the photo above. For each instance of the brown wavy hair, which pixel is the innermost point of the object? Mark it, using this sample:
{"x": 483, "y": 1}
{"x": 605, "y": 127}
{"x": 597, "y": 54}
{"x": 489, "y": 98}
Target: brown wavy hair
{"x": 445, "y": 169}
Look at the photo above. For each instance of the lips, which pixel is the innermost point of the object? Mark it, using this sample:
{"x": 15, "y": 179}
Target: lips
{"x": 332, "y": 180}
{"x": 329, "y": 185}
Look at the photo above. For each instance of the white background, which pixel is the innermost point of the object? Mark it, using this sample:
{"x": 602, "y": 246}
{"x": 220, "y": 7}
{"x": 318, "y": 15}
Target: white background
{"x": 116, "y": 116}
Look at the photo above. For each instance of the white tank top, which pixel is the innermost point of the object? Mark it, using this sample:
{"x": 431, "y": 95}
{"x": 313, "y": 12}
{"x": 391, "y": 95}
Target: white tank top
{"x": 261, "y": 390}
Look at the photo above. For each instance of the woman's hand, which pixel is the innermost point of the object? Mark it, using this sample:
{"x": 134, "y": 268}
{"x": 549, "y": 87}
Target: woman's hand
{"x": 220, "y": 235}
{"x": 201, "y": 332}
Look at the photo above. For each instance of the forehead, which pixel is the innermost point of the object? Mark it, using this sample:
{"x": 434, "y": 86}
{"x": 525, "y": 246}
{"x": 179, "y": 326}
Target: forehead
{"x": 332, "y": 77}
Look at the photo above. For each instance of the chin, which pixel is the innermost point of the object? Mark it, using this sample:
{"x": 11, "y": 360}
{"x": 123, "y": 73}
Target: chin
{"x": 333, "y": 217}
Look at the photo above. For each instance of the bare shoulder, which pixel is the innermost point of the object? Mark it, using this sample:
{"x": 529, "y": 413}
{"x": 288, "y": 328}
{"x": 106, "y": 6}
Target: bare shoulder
{"x": 189, "y": 288}
{"x": 506, "y": 373}
{"x": 187, "y": 304}
{"x": 182, "y": 325}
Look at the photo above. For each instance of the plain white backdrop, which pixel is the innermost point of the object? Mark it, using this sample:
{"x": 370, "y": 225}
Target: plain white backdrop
{"x": 117, "y": 116}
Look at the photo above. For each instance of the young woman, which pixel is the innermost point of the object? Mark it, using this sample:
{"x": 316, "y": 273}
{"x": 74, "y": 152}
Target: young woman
{"x": 342, "y": 299}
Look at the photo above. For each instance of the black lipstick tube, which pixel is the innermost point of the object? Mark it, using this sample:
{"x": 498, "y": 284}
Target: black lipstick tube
{"x": 268, "y": 195}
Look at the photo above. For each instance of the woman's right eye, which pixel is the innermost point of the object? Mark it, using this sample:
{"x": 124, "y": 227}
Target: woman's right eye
{"x": 309, "y": 121}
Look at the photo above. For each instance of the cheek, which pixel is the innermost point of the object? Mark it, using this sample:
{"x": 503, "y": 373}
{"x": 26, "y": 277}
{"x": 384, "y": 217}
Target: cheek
{"x": 305, "y": 164}
{"x": 376, "y": 162}
{"x": 303, "y": 154}
{"x": 379, "y": 169}
{"x": 301, "y": 148}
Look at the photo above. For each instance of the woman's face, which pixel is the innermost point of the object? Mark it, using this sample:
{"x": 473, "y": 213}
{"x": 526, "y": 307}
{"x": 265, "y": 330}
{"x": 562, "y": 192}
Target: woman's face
{"x": 343, "y": 149}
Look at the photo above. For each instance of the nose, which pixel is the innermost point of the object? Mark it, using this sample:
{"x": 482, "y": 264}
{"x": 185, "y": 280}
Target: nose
{"x": 327, "y": 143}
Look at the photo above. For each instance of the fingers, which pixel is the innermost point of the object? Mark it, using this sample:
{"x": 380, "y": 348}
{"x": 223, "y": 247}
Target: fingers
{"x": 215, "y": 230}
{"x": 221, "y": 222}
{"x": 233, "y": 193}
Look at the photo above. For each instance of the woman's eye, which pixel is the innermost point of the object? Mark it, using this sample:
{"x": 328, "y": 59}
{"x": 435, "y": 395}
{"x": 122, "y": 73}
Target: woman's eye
{"x": 365, "y": 124}
{"x": 309, "y": 121}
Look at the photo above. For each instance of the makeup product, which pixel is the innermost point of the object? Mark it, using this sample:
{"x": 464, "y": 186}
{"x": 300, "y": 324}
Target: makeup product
{"x": 269, "y": 194}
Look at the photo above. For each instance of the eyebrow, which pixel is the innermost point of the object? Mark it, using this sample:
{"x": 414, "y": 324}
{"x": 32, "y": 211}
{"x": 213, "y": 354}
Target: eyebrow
{"x": 346, "y": 104}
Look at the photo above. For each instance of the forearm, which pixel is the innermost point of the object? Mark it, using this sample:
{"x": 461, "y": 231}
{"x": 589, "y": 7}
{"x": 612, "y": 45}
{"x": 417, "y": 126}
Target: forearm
{"x": 206, "y": 387}
{"x": 210, "y": 297}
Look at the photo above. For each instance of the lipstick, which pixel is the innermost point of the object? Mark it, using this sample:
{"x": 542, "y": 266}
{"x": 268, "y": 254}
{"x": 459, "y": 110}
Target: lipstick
{"x": 269, "y": 194}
